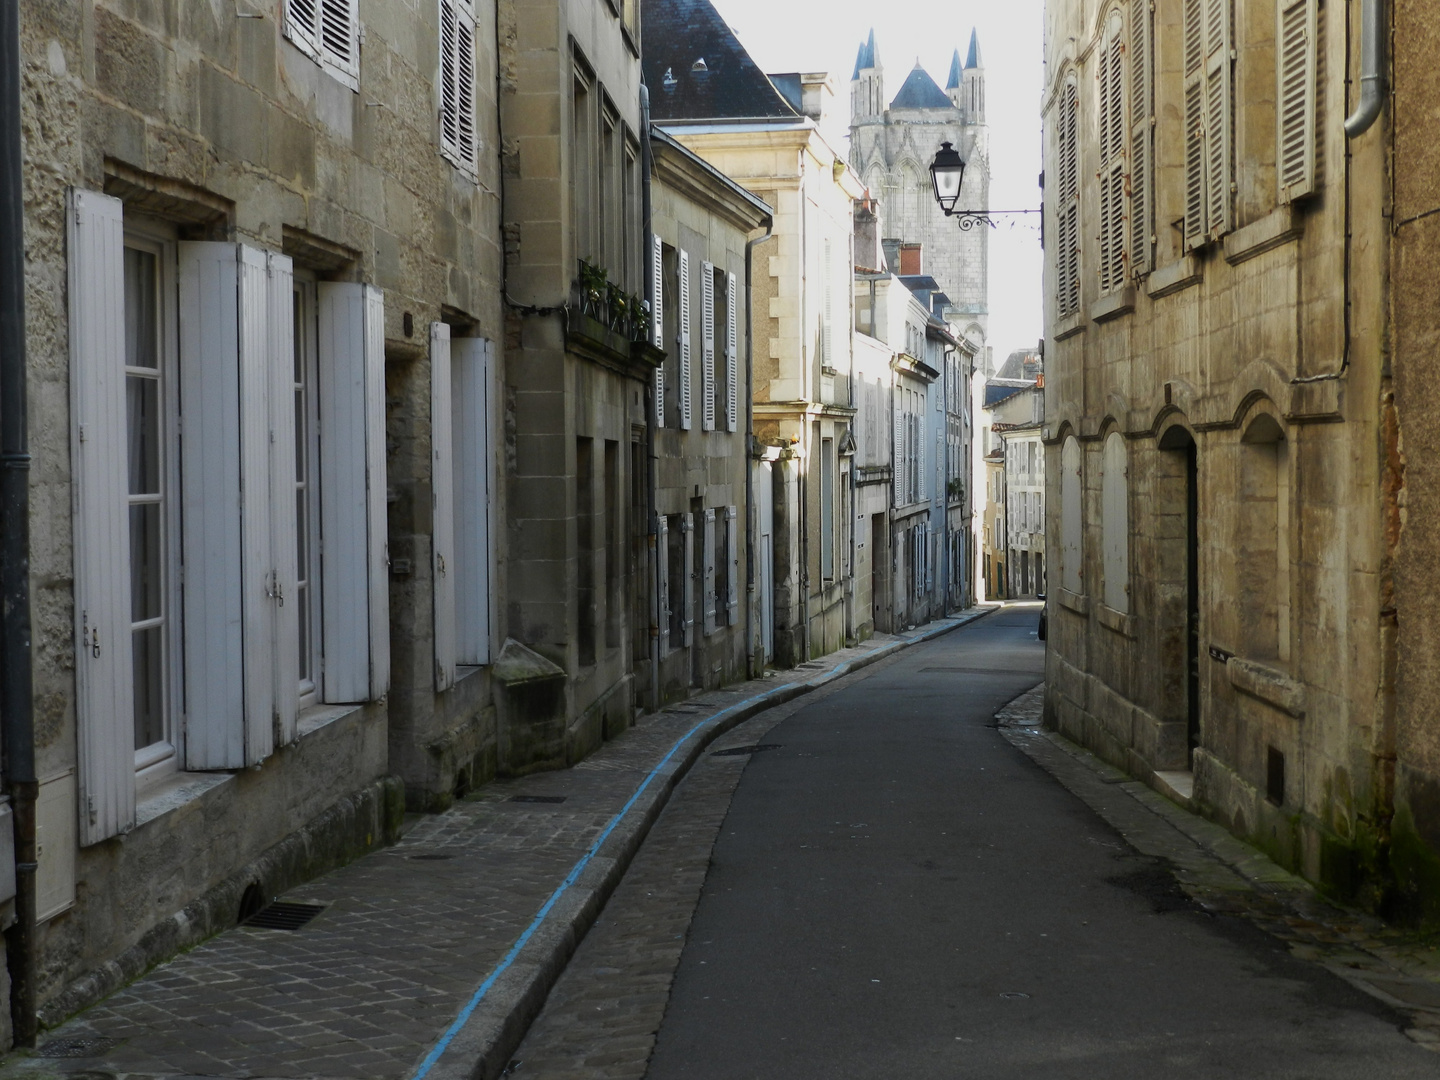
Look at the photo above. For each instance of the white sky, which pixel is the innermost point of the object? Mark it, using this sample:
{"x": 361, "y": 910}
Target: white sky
{"x": 786, "y": 35}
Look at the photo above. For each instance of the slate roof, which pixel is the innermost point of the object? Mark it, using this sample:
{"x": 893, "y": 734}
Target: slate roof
{"x": 973, "y": 60}
{"x": 954, "y": 81}
{"x": 680, "y": 33}
{"x": 998, "y": 390}
{"x": 866, "y": 58}
{"x": 921, "y": 92}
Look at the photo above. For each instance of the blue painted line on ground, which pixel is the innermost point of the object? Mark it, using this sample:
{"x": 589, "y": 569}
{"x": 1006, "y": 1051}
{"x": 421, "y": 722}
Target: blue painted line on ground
{"x": 544, "y": 913}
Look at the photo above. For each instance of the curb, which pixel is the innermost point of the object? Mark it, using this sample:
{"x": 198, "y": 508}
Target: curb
{"x": 478, "y": 1045}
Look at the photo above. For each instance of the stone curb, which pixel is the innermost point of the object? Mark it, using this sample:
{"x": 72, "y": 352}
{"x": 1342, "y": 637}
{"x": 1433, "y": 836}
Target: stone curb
{"x": 481, "y": 1049}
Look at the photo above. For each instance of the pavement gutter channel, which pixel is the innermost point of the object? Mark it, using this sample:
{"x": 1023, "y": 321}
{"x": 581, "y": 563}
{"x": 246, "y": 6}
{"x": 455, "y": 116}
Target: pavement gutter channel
{"x": 482, "y": 1046}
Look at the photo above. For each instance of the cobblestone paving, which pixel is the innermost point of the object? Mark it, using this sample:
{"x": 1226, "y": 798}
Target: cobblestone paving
{"x": 406, "y": 935}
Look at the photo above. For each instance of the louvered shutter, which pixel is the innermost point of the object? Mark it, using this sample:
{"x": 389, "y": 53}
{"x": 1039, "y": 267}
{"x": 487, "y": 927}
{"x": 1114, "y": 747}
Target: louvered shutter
{"x": 732, "y": 357}
{"x": 657, "y": 320}
{"x": 1195, "y": 202}
{"x": 1141, "y": 137}
{"x": 827, "y": 337}
{"x": 1219, "y": 116}
{"x": 662, "y": 575}
{"x": 732, "y": 556}
{"x": 687, "y": 602}
{"x": 339, "y": 39}
{"x": 923, "y": 487}
{"x": 1068, "y": 224}
{"x": 442, "y": 506}
{"x": 684, "y": 322}
{"x": 471, "y": 366}
{"x": 1295, "y": 139}
{"x": 1113, "y": 235}
{"x": 707, "y": 560}
{"x": 302, "y": 26}
{"x": 897, "y": 466}
{"x": 280, "y": 307}
{"x": 457, "y": 83}
{"x": 355, "y": 586}
{"x": 707, "y": 346}
{"x": 449, "y": 104}
{"x": 98, "y": 437}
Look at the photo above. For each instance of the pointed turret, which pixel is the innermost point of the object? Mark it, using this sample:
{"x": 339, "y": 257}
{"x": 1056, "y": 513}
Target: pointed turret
{"x": 956, "y": 71}
{"x": 867, "y": 85}
{"x": 973, "y": 60}
{"x": 970, "y": 96}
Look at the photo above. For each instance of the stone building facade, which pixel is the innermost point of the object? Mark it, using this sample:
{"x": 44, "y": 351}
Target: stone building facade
{"x": 1216, "y": 418}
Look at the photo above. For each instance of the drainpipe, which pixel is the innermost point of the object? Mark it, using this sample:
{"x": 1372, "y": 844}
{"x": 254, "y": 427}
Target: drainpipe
{"x": 750, "y": 513}
{"x": 1372, "y": 69}
{"x": 17, "y": 730}
{"x": 653, "y": 405}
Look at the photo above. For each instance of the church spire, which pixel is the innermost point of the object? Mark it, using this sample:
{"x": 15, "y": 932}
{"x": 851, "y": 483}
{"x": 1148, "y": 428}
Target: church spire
{"x": 973, "y": 60}
{"x": 953, "y": 83}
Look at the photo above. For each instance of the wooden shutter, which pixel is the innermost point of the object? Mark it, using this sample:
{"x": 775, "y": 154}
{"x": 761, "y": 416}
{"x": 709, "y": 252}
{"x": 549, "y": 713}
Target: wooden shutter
{"x": 1297, "y": 35}
{"x": 471, "y": 364}
{"x": 732, "y": 356}
{"x": 662, "y": 574}
{"x": 922, "y": 438}
{"x": 897, "y": 466}
{"x": 442, "y": 507}
{"x": 1113, "y": 206}
{"x": 1141, "y": 137}
{"x": 687, "y": 602}
{"x": 457, "y": 83}
{"x": 339, "y": 39}
{"x": 302, "y": 26}
{"x": 707, "y": 346}
{"x": 707, "y": 558}
{"x": 98, "y": 437}
{"x": 827, "y": 327}
{"x": 280, "y": 308}
{"x": 685, "y": 413}
{"x": 657, "y": 320}
{"x": 1068, "y": 212}
{"x": 1219, "y": 116}
{"x": 354, "y": 606}
{"x": 1195, "y": 202}
{"x": 732, "y": 557}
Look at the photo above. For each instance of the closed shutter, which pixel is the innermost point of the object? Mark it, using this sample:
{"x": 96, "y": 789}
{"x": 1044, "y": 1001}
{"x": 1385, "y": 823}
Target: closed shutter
{"x": 922, "y": 488}
{"x": 1112, "y": 158}
{"x": 657, "y": 321}
{"x": 339, "y": 39}
{"x": 1141, "y": 137}
{"x": 707, "y": 559}
{"x": 1219, "y": 116}
{"x": 1295, "y": 140}
{"x": 1194, "y": 43}
{"x": 732, "y": 357}
{"x": 471, "y": 367}
{"x": 827, "y": 337}
{"x": 104, "y": 658}
{"x": 662, "y": 574}
{"x": 302, "y": 26}
{"x": 707, "y": 346}
{"x": 687, "y": 602}
{"x": 732, "y": 556}
{"x": 684, "y": 322}
{"x": 457, "y": 83}
{"x": 286, "y": 609}
{"x": 1068, "y": 212}
{"x": 442, "y": 506}
{"x": 354, "y": 581}
{"x": 897, "y": 466}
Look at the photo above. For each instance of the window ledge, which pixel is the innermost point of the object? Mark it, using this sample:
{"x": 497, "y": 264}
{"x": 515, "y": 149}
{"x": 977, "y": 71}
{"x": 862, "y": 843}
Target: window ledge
{"x": 1113, "y": 306}
{"x": 1269, "y": 684}
{"x": 1274, "y": 230}
{"x": 1068, "y": 326}
{"x": 1076, "y": 602}
{"x": 316, "y": 717}
{"x": 1118, "y": 621}
{"x": 174, "y": 791}
{"x": 1179, "y": 275}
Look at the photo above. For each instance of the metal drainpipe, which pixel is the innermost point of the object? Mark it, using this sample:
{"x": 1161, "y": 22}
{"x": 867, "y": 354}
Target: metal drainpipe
{"x": 1372, "y": 69}
{"x": 652, "y": 462}
{"x": 750, "y": 512}
{"x": 17, "y": 729}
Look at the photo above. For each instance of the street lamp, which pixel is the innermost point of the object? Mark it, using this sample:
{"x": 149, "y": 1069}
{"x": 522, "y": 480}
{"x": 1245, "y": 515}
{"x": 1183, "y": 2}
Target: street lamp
{"x": 947, "y": 172}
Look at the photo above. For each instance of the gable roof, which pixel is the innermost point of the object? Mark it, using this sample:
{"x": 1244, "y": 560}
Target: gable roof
{"x": 921, "y": 92}
{"x": 681, "y": 33}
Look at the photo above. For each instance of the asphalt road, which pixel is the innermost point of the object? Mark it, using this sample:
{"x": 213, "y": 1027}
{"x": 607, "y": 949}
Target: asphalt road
{"x": 898, "y": 892}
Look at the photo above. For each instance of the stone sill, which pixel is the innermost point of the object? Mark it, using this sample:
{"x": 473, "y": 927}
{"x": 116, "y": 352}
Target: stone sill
{"x": 1076, "y": 602}
{"x": 1068, "y": 326}
{"x": 1274, "y": 230}
{"x": 1114, "y": 305}
{"x": 1268, "y": 684}
{"x": 1179, "y": 275}
{"x": 1117, "y": 621}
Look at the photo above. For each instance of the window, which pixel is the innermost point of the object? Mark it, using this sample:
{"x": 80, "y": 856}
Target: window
{"x": 307, "y": 492}
{"x": 327, "y": 31}
{"x": 611, "y": 211}
{"x": 583, "y": 167}
{"x": 732, "y": 354}
{"x": 662, "y": 286}
{"x": 723, "y": 407}
{"x": 1209, "y": 120}
{"x": 614, "y": 599}
{"x": 1115, "y": 523}
{"x": 827, "y": 509}
{"x": 585, "y": 548}
{"x": 1071, "y": 522}
{"x": 457, "y": 84}
{"x": 1295, "y": 95}
{"x": 708, "y": 276}
{"x": 1263, "y": 541}
{"x": 1067, "y": 203}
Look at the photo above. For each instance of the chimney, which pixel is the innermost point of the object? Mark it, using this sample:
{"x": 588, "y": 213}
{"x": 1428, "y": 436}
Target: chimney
{"x": 891, "y": 248}
{"x": 868, "y": 253}
{"x": 911, "y": 265}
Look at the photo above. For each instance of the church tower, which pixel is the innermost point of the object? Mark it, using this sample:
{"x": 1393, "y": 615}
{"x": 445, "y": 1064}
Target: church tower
{"x": 867, "y": 85}
{"x": 973, "y": 96}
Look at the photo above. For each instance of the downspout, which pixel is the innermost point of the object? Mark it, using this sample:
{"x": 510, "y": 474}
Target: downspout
{"x": 17, "y": 730}
{"x": 653, "y": 405}
{"x": 1372, "y": 69}
{"x": 750, "y": 511}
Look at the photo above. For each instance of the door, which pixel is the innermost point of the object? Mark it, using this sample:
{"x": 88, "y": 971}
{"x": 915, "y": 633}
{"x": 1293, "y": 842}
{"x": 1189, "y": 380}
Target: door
{"x": 765, "y": 555}
{"x": 879, "y": 577}
{"x": 1192, "y": 605}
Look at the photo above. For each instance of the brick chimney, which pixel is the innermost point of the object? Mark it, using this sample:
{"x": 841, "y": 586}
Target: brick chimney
{"x": 911, "y": 264}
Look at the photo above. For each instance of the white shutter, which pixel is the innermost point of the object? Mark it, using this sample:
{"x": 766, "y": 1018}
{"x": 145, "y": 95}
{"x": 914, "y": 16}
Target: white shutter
{"x": 1141, "y": 135}
{"x": 1297, "y": 36}
{"x": 471, "y": 361}
{"x": 707, "y": 346}
{"x": 687, "y": 610}
{"x": 827, "y": 337}
{"x": 897, "y": 466}
{"x": 354, "y": 587}
{"x": 732, "y": 556}
{"x": 457, "y": 83}
{"x": 707, "y": 560}
{"x": 449, "y": 104}
{"x": 1113, "y": 236}
{"x": 657, "y": 321}
{"x": 732, "y": 358}
{"x": 442, "y": 506}
{"x": 1068, "y": 213}
{"x": 302, "y": 26}
{"x": 1219, "y": 116}
{"x": 662, "y": 574}
{"x": 283, "y": 524}
{"x": 923, "y": 487}
{"x": 99, "y": 427}
{"x": 339, "y": 39}
{"x": 684, "y": 322}
{"x": 1194, "y": 43}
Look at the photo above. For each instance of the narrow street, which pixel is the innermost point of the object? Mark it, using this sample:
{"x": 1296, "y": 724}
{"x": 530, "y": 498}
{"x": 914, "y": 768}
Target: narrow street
{"x": 898, "y": 891}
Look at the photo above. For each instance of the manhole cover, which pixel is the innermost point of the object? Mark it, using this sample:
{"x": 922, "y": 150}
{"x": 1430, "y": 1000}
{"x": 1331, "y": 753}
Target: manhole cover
{"x": 737, "y": 751}
{"x": 284, "y": 916}
{"x": 83, "y": 1046}
{"x": 538, "y": 798}
{"x": 431, "y": 856}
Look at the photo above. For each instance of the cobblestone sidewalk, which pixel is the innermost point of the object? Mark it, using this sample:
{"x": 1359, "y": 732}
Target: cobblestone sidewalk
{"x": 406, "y": 935}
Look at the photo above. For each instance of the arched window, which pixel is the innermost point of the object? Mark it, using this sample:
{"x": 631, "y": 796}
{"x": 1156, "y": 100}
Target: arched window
{"x": 1263, "y": 541}
{"x": 1115, "y": 523}
{"x": 1071, "y": 523}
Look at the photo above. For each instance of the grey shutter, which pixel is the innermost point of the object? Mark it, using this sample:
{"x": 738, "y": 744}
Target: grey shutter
{"x": 1068, "y": 212}
{"x": 897, "y": 465}
{"x": 1113, "y": 205}
{"x": 302, "y": 26}
{"x": 1195, "y": 142}
{"x": 827, "y": 330}
{"x": 1141, "y": 137}
{"x": 471, "y": 364}
{"x": 1219, "y": 117}
{"x": 684, "y": 323}
{"x": 104, "y": 649}
{"x": 687, "y": 602}
{"x": 442, "y": 507}
{"x": 1297, "y": 35}
{"x": 283, "y": 524}
{"x": 732, "y": 357}
{"x": 657, "y": 321}
{"x": 449, "y": 103}
{"x": 707, "y": 346}
{"x": 732, "y": 557}
{"x": 662, "y": 574}
{"x": 457, "y": 83}
{"x": 339, "y": 39}
{"x": 707, "y": 559}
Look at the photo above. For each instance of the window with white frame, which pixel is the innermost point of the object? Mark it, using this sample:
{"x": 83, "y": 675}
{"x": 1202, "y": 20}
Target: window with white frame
{"x": 208, "y": 671}
{"x": 327, "y": 31}
{"x": 457, "y": 84}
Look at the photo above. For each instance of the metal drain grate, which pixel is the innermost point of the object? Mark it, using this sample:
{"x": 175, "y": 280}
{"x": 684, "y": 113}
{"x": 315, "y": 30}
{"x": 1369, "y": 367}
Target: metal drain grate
{"x": 84, "y": 1046}
{"x": 538, "y": 798}
{"x": 431, "y": 856}
{"x": 284, "y": 916}
{"x": 737, "y": 751}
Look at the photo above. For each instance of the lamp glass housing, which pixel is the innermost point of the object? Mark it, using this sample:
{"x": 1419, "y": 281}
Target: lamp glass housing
{"x": 947, "y": 173}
